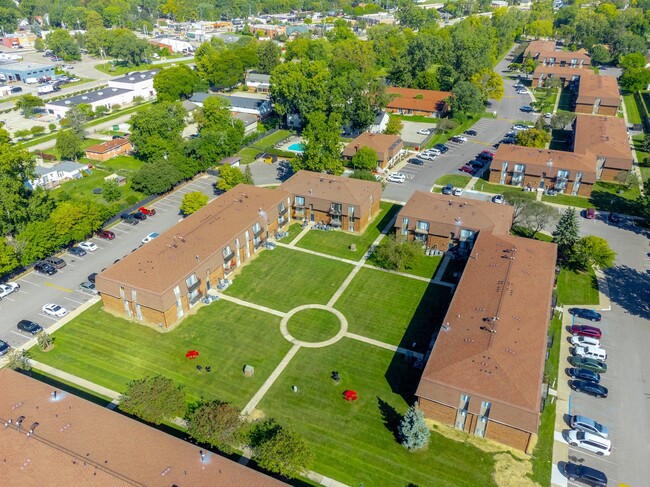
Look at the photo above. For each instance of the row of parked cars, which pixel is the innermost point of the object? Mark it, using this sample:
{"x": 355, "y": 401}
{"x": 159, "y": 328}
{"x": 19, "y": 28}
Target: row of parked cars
{"x": 588, "y": 363}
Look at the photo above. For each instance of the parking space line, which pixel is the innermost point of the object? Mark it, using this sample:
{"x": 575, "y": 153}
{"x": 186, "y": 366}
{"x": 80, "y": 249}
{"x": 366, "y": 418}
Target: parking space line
{"x": 48, "y": 316}
{"x": 22, "y": 279}
{"x": 7, "y": 298}
{"x": 69, "y": 299}
{"x": 19, "y": 334}
{"x": 591, "y": 455}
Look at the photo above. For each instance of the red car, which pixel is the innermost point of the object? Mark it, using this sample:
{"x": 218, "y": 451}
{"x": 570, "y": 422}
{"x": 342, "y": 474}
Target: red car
{"x": 590, "y": 213}
{"x": 106, "y": 234}
{"x": 147, "y": 211}
{"x": 586, "y": 331}
{"x": 467, "y": 168}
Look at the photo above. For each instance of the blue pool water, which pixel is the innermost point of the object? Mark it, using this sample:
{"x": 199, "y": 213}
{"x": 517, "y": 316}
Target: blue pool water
{"x": 297, "y": 147}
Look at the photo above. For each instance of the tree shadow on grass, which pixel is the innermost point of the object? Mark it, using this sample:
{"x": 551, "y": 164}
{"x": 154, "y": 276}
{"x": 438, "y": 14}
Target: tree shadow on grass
{"x": 629, "y": 289}
{"x": 390, "y": 416}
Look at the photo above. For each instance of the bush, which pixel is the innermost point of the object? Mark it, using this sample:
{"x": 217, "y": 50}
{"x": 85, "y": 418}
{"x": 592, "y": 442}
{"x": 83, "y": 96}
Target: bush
{"x": 131, "y": 199}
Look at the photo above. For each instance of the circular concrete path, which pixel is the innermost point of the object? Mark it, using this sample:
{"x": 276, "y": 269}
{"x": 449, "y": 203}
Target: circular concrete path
{"x": 285, "y": 331}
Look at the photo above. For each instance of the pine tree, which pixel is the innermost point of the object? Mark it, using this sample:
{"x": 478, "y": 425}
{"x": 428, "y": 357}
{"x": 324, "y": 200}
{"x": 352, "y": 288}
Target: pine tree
{"x": 248, "y": 176}
{"x": 413, "y": 431}
{"x": 566, "y": 234}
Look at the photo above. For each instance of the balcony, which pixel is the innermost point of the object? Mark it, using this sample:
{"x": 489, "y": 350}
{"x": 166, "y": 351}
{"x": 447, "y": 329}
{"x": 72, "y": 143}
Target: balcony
{"x": 282, "y": 211}
{"x": 335, "y": 211}
{"x": 194, "y": 286}
{"x": 335, "y": 222}
{"x": 229, "y": 257}
{"x": 258, "y": 233}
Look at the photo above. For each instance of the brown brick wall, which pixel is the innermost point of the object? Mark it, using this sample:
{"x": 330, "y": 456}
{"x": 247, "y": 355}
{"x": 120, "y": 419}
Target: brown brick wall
{"x": 533, "y": 181}
{"x": 437, "y": 411}
{"x": 507, "y": 435}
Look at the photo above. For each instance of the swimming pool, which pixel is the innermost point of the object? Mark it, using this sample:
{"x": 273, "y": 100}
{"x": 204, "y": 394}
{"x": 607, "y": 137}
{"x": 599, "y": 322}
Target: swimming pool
{"x": 296, "y": 147}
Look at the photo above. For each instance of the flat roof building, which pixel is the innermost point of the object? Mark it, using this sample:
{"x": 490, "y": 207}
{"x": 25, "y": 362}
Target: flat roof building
{"x": 20, "y": 71}
{"x": 107, "y": 97}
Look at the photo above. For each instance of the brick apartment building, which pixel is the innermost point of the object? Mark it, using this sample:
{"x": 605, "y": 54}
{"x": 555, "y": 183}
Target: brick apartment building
{"x": 598, "y": 95}
{"x": 553, "y": 63}
{"x": 529, "y": 167}
{"x": 410, "y": 101}
{"x": 388, "y": 148}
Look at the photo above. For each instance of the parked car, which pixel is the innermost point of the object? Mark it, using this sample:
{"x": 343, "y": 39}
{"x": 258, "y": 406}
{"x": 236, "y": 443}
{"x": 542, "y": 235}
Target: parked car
{"x": 522, "y": 91}
{"x": 582, "y": 341}
{"x": 87, "y": 287}
{"x": 427, "y": 156}
{"x": 589, "y": 351}
{"x": 441, "y": 147}
{"x": 590, "y": 213}
{"x": 4, "y": 347}
{"x": 527, "y": 109}
{"x": 139, "y": 215}
{"x": 396, "y": 177}
{"x": 468, "y": 169}
{"x": 583, "y": 374}
{"x": 487, "y": 155}
{"x": 583, "y": 423}
{"x": 498, "y": 199}
{"x": 29, "y": 327}
{"x": 106, "y": 234}
{"x": 88, "y": 246}
{"x": 126, "y": 218}
{"x": 426, "y": 131}
{"x": 587, "y": 314}
{"x": 585, "y": 475}
{"x": 44, "y": 268}
{"x": 613, "y": 218}
{"x": 53, "y": 309}
{"x": 459, "y": 139}
{"x": 509, "y": 140}
{"x": 448, "y": 189}
{"x": 77, "y": 251}
{"x": 511, "y": 133}
{"x": 147, "y": 211}
{"x": 471, "y": 132}
{"x": 434, "y": 150}
{"x": 417, "y": 162}
{"x": 589, "y": 364}
{"x": 588, "y": 387}
{"x": 56, "y": 262}
{"x": 590, "y": 442}
{"x": 548, "y": 115}
{"x": 149, "y": 237}
{"x": 91, "y": 277}
{"x": 586, "y": 331}
{"x": 457, "y": 192}
{"x": 7, "y": 289}
{"x": 16, "y": 89}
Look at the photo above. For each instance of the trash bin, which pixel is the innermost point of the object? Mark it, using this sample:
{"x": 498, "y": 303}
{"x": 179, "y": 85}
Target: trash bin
{"x": 116, "y": 128}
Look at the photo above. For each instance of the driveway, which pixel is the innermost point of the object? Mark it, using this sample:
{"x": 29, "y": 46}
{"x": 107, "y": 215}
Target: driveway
{"x": 410, "y": 132}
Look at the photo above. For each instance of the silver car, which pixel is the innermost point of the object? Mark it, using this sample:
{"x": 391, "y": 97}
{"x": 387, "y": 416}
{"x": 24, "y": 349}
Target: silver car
{"x": 583, "y": 423}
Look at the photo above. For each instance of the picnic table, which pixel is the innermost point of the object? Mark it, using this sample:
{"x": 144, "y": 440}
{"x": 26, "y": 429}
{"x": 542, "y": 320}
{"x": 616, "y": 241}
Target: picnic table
{"x": 192, "y": 354}
{"x": 350, "y": 395}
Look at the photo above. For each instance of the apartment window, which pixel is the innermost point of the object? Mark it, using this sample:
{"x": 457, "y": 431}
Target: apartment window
{"x": 299, "y": 201}
{"x": 423, "y": 227}
{"x": 248, "y": 248}
{"x": 561, "y": 180}
{"x": 461, "y": 414}
{"x": 179, "y": 302}
{"x": 518, "y": 175}
{"x": 257, "y": 229}
{"x": 282, "y": 208}
{"x": 227, "y": 253}
{"x": 336, "y": 209}
{"x": 192, "y": 282}
{"x": 405, "y": 226}
{"x": 350, "y": 218}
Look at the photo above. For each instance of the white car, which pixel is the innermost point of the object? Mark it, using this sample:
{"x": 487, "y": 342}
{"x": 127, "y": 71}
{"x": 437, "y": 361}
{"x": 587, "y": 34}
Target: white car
{"x": 55, "y": 310}
{"x": 522, "y": 91}
{"x": 425, "y": 131}
{"x": 427, "y": 156}
{"x": 581, "y": 341}
{"x": 590, "y": 442}
{"x": 518, "y": 127}
{"x": 457, "y": 191}
{"x": 589, "y": 351}
{"x": 548, "y": 115}
{"x": 149, "y": 237}
{"x": 88, "y": 246}
{"x": 7, "y": 289}
{"x": 498, "y": 199}
{"x": 434, "y": 151}
{"x": 396, "y": 177}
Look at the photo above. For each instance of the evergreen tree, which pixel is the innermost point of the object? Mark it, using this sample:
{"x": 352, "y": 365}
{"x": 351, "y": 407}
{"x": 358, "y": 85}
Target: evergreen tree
{"x": 413, "y": 431}
{"x": 566, "y": 234}
{"x": 248, "y": 176}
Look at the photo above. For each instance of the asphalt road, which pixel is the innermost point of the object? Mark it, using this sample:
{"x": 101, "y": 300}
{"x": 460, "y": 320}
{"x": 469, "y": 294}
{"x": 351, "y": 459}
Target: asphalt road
{"x": 37, "y": 290}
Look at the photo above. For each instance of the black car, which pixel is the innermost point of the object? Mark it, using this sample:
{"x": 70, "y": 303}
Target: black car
{"x": 126, "y": 218}
{"x": 584, "y": 374}
{"x": 44, "y": 268}
{"x": 587, "y": 314}
{"x": 4, "y": 347}
{"x": 138, "y": 215}
{"x": 614, "y": 218}
{"x": 78, "y": 251}
{"x": 585, "y": 475}
{"x": 29, "y": 327}
{"x": 117, "y": 137}
{"x": 92, "y": 277}
{"x": 417, "y": 162}
{"x": 441, "y": 147}
{"x": 509, "y": 140}
{"x": 588, "y": 387}
{"x": 471, "y": 132}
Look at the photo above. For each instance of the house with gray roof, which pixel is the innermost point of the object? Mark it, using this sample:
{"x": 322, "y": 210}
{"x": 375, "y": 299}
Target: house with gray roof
{"x": 258, "y": 82}
{"x": 51, "y": 177}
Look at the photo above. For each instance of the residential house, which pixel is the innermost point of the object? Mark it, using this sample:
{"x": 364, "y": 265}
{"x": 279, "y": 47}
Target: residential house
{"x": 380, "y": 123}
{"x": 349, "y": 204}
{"x": 529, "y": 167}
{"x": 51, "y": 177}
{"x": 109, "y": 149}
{"x": 598, "y": 95}
{"x": 410, "y": 101}
{"x": 268, "y": 30}
{"x": 608, "y": 140}
{"x": 53, "y": 437}
{"x": 568, "y": 76}
{"x": 258, "y": 82}
{"x": 445, "y": 223}
{"x": 546, "y": 53}
{"x": 260, "y": 107}
{"x": 388, "y": 148}
{"x": 249, "y": 120}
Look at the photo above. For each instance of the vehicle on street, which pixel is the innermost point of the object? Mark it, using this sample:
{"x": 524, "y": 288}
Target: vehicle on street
{"x": 468, "y": 169}
{"x": 588, "y": 441}
{"x": 426, "y": 131}
{"x": 4, "y": 347}
{"x": 396, "y": 177}
{"x": 56, "y": 262}
{"x": 16, "y": 89}
{"x": 434, "y": 150}
{"x": 511, "y": 133}
{"x": 53, "y": 309}
{"x": 77, "y": 251}
{"x": 527, "y": 109}
{"x": 457, "y": 192}
{"x": 587, "y": 314}
{"x": 44, "y": 268}
{"x": 613, "y": 218}
{"x": 590, "y": 213}
{"x": 149, "y": 237}
{"x": 91, "y": 277}
{"x": 139, "y": 215}
{"x": 448, "y": 189}
{"x": 459, "y": 139}
{"x": 44, "y": 89}
{"x": 583, "y": 423}
{"x": 498, "y": 199}
{"x": 522, "y": 91}
{"x": 582, "y": 341}
{"x": 588, "y": 387}
{"x": 88, "y": 246}
{"x": 589, "y": 364}
{"x": 586, "y": 331}
{"x": 441, "y": 147}
{"x": 583, "y": 374}
{"x": 88, "y": 288}
{"x": 417, "y": 162}
{"x": 126, "y": 218}
{"x": 29, "y": 327}
{"x": 8, "y": 288}
{"x": 588, "y": 351}
{"x": 471, "y": 132}
{"x": 585, "y": 475}
{"x": 106, "y": 234}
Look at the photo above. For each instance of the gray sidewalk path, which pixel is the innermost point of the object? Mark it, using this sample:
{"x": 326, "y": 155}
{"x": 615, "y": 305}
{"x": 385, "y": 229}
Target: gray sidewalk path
{"x": 73, "y": 379}
{"x": 297, "y": 238}
{"x": 248, "y": 304}
{"x": 313, "y": 252}
{"x": 387, "y": 346}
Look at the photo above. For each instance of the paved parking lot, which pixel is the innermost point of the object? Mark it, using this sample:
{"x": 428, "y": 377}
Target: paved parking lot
{"x": 410, "y": 131}
{"x": 37, "y": 290}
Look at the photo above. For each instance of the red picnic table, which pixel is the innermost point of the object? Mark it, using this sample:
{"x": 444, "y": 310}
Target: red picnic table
{"x": 350, "y": 395}
{"x": 191, "y": 354}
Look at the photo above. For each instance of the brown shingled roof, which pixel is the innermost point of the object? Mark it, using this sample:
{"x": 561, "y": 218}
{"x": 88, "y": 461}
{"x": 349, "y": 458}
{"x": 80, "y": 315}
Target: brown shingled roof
{"x": 562, "y": 71}
{"x": 414, "y": 99}
{"x": 538, "y": 46}
{"x": 381, "y": 143}
{"x": 78, "y": 443}
{"x": 502, "y": 361}
{"x": 603, "y": 87}
{"x": 108, "y": 146}
{"x": 605, "y": 137}
{"x": 333, "y": 188}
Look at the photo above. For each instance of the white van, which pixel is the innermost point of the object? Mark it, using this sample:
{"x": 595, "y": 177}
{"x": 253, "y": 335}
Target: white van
{"x": 31, "y": 81}
{"x": 590, "y": 351}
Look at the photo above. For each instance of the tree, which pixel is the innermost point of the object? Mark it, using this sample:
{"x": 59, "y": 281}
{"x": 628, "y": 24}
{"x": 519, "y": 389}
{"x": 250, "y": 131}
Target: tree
{"x": 156, "y": 177}
{"x": 111, "y": 190}
{"x": 39, "y": 44}
{"x": 633, "y": 60}
{"x": 229, "y": 177}
{"x": 321, "y": 145}
{"x": 8, "y": 259}
{"x": 365, "y": 159}
{"x": 129, "y": 48}
{"x": 175, "y": 83}
{"x": 153, "y": 399}
{"x": 594, "y": 251}
{"x": 279, "y": 449}
{"x": 466, "y": 98}
{"x": 68, "y": 145}
{"x": 533, "y": 138}
{"x": 268, "y": 54}
{"x": 536, "y": 216}
{"x": 22, "y": 134}
{"x": 413, "y": 431}
{"x": 193, "y": 202}
{"x": 528, "y": 66}
{"x": 156, "y": 130}
{"x": 44, "y": 340}
{"x": 218, "y": 424}
{"x": 561, "y": 120}
{"x": 489, "y": 83}
{"x": 63, "y": 45}
{"x": 28, "y": 103}
{"x": 37, "y": 130}
{"x": 566, "y": 234}
{"x": 248, "y": 176}
{"x": 75, "y": 119}
{"x": 600, "y": 54}
{"x": 16, "y": 360}
{"x": 395, "y": 253}
{"x": 635, "y": 79}
{"x": 394, "y": 125}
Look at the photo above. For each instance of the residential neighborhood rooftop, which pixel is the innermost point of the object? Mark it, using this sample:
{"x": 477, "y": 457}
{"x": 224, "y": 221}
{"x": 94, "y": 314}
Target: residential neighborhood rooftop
{"x": 332, "y": 188}
{"x": 597, "y": 87}
{"x": 108, "y": 146}
{"x": 605, "y": 137}
{"x": 89, "y": 97}
{"x": 414, "y": 99}
{"x": 136, "y": 76}
{"x": 381, "y": 143}
{"x": 66, "y": 166}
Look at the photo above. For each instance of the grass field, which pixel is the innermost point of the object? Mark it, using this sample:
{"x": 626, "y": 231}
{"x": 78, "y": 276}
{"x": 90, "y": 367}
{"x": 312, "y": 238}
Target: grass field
{"x": 456, "y": 180}
{"x": 111, "y": 351}
{"x": 313, "y": 325}
{"x": 642, "y": 156}
{"x": 338, "y": 243}
{"x": 605, "y": 196}
{"x": 632, "y": 109}
{"x": 483, "y": 185}
{"x": 577, "y": 287}
{"x": 393, "y": 309}
{"x": 119, "y": 163}
{"x": 546, "y": 97}
{"x": 354, "y": 442}
{"x": 283, "y": 279}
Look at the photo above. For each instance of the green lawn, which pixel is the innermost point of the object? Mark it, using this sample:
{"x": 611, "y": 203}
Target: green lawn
{"x": 338, "y": 243}
{"x": 483, "y": 185}
{"x": 605, "y": 196}
{"x": 270, "y": 140}
{"x": 393, "y": 309}
{"x": 121, "y": 69}
{"x": 459, "y": 129}
{"x": 632, "y": 109}
{"x": 119, "y": 163}
{"x": 416, "y": 118}
{"x": 568, "y": 200}
{"x": 84, "y": 144}
{"x": 111, "y": 351}
{"x": 283, "y": 279}
{"x": 546, "y": 98}
{"x": 642, "y": 156}
{"x": 577, "y": 287}
{"x": 248, "y": 155}
{"x": 293, "y": 231}
{"x": 313, "y": 325}
{"x": 354, "y": 442}
{"x": 456, "y": 180}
